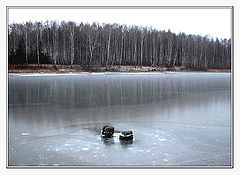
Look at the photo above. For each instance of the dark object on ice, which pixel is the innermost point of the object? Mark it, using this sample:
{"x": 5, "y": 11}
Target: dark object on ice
{"x": 107, "y": 131}
{"x": 126, "y": 135}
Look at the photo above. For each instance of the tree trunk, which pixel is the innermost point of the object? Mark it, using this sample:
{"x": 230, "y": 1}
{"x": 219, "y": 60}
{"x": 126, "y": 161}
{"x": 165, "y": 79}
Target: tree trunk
{"x": 121, "y": 55}
{"x": 72, "y": 44}
{"x": 108, "y": 47}
{"x": 135, "y": 49}
{"x": 38, "y": 47}
{"x": 141, "y": 49}
{"x": 26, "y": 46}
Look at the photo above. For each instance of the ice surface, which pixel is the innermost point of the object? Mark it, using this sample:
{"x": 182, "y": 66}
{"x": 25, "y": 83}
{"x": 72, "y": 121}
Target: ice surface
{"x": 177, "y": 119}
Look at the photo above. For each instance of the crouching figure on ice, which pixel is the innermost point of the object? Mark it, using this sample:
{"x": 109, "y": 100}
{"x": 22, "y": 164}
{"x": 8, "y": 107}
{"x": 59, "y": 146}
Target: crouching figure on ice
{"x": 126, "y": 136}
{"x": 107, "y": 131}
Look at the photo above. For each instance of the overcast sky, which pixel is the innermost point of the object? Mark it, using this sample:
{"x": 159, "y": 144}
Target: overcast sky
{"x": 213, "y": 22}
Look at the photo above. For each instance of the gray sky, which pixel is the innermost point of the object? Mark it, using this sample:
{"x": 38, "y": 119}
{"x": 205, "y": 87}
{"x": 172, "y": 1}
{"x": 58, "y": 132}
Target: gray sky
{"x": 213, "y": 22}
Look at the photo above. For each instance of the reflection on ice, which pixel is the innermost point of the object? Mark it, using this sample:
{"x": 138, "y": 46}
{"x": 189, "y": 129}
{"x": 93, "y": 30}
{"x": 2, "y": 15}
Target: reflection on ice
{"x": 126, "y": 142}
{"x": 108, "y": 141}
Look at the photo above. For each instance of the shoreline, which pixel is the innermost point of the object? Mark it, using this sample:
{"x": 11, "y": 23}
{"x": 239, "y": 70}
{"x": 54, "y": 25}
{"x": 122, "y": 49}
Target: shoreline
{"x": 86, "y": 72}
{"x": 117, "y": 69}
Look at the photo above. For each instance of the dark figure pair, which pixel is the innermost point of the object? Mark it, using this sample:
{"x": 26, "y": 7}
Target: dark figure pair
{"x": 108, "y": 131}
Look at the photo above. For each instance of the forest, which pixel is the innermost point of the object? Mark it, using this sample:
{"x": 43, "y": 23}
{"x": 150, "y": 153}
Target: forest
{"x": 108, "y": 45}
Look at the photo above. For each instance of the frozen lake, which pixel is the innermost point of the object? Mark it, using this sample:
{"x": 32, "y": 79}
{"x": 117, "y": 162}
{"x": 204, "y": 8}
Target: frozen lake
{"x": 178, "y": 119}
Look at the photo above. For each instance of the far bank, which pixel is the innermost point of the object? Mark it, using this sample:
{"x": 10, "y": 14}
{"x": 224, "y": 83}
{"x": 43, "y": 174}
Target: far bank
{"x": 34, "y": 68}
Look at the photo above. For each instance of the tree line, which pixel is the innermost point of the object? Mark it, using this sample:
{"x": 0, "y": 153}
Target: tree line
{"x": 69, "y": 43}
